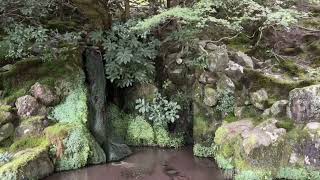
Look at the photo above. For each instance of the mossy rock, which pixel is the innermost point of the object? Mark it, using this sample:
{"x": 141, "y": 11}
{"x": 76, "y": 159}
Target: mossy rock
{"x": 119, "y": 122}
{"x": 31, "y": 160}
{"x": 73, "y": 147}
{"x": 278, "y": 88}
{"x": 17, "y": 82}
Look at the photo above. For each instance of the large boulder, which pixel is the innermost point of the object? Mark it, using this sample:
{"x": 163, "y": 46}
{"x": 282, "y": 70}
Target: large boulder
{"x": 217, "y": 58}
{"x": 29, "y": 106}
{"x": 29, "y": 163}
{"x": 118, "y": 151}
{"x": 304, "y": 104}
{"x": 263, "y": 135}
{"x": 44, "y": 94}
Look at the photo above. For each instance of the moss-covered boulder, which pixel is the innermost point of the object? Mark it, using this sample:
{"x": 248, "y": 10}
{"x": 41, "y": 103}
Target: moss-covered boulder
{"x": 73, "y": 147}
{"x": 29, "y": 160}
{"x": 32, "y": 126}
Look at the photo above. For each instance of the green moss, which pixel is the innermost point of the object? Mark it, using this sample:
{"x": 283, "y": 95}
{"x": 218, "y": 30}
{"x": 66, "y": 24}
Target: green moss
{"x": 140, "y": 133}
{"x": 224, "y": 163}
{"x": 72, "y": 146}
{"x": 119, "y": 122}
{"x": 59, "y": 130}
{"x": 200, "y": 127}
{"x": 241, "y": 43}
{"x": 286, "y": 124}
{"x": 203, "y": 151}
{"x": 74, "y": 108}
{"x": 253, "y": 175}
{"x": 220, "y": 136}
{"x": 26, "y": 143}
{"x": 279, "y": 88}
{"x": 13, "y": 169}
{"x": 293, "y": 173}
{"x": 230, "y": 119}
{"x": 5, "y": 108}
{"x": 291, "y": 67}
{"x": 31, "y": 120}
{"x": 165, "y": 139}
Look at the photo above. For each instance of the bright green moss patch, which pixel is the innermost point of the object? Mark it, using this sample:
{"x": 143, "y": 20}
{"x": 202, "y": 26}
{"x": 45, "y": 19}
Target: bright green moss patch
{"x": 286, "y": 124}
{"x": 165, "y": 139}
{"x": 293, "y": 173}
{"x": 254, "y": 175}
{"x": 29, "y": 142}
{"x": 74, "y": 108}
{"x": 140, "y": 133}
{"x": 73, "y": 147}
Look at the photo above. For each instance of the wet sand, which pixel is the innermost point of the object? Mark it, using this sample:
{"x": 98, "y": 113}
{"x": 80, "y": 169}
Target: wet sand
{"x": 149, "y": 164}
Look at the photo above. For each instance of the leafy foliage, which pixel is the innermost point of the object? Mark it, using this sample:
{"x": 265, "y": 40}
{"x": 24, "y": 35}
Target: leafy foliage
{"x": 26, "y": 41}
{"x": 160, "y": 111}
{"x": 226, "y": 103}
{"x": 128, "y": 55}
{"x": 203, "y": 151}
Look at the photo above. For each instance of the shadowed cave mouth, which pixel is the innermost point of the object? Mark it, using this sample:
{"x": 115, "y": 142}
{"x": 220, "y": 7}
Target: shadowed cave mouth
{"x": 114, "y": 96}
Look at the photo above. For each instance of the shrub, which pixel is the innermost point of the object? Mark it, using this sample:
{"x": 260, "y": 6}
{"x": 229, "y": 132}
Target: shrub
{"x": 160, "y": 111}
{"x": 128, "y": 55}
{"x": 292, "y": 173}
{"x": 203, "y": 151}
{"x": 165, "y": 139}
{"x": 140, "y": 132}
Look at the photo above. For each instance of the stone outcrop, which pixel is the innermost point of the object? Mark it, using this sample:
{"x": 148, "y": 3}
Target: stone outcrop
{"x": 304, "y": 104}
{"x": 43, "y": 94}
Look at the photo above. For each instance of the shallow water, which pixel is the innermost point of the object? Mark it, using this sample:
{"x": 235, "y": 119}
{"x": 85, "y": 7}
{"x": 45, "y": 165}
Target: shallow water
{"x": 149, "y": 164}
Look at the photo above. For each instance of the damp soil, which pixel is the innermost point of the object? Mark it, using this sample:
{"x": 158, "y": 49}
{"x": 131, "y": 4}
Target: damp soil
{"x": 149, "y": 164}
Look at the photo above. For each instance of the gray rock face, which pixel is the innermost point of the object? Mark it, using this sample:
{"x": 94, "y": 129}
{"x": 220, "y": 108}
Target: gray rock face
{"x": 263, "y": 135}
{"x": 208, "y": 78}
{"x": 28, "y": 106}
{"x": 259, "y": 99}
{"x": 7, "y": 67}
{"x": 97, "y": 97}
{"x": 225, "y": 84}
{"x": 43, "y": 94}
{"x": 234, "y": 71}
{"x": 6, "y": 131}
{"x": 278, "y": 109}
{"x": 244, "y": 60}
{"x": 304, "y": 104}
{"x": 218, "y": 58}
{"x": 118, "y": 151}
{"x": 210, "y": 96}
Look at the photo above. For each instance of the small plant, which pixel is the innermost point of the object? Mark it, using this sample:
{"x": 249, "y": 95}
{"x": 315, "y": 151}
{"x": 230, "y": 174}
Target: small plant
{"x": 160, "y": 111}
{"x": 226, "y": 103}
{"x": 203, "y": 151}
{"x": 165, "y": 139}
{"x": 224, "y": 163}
